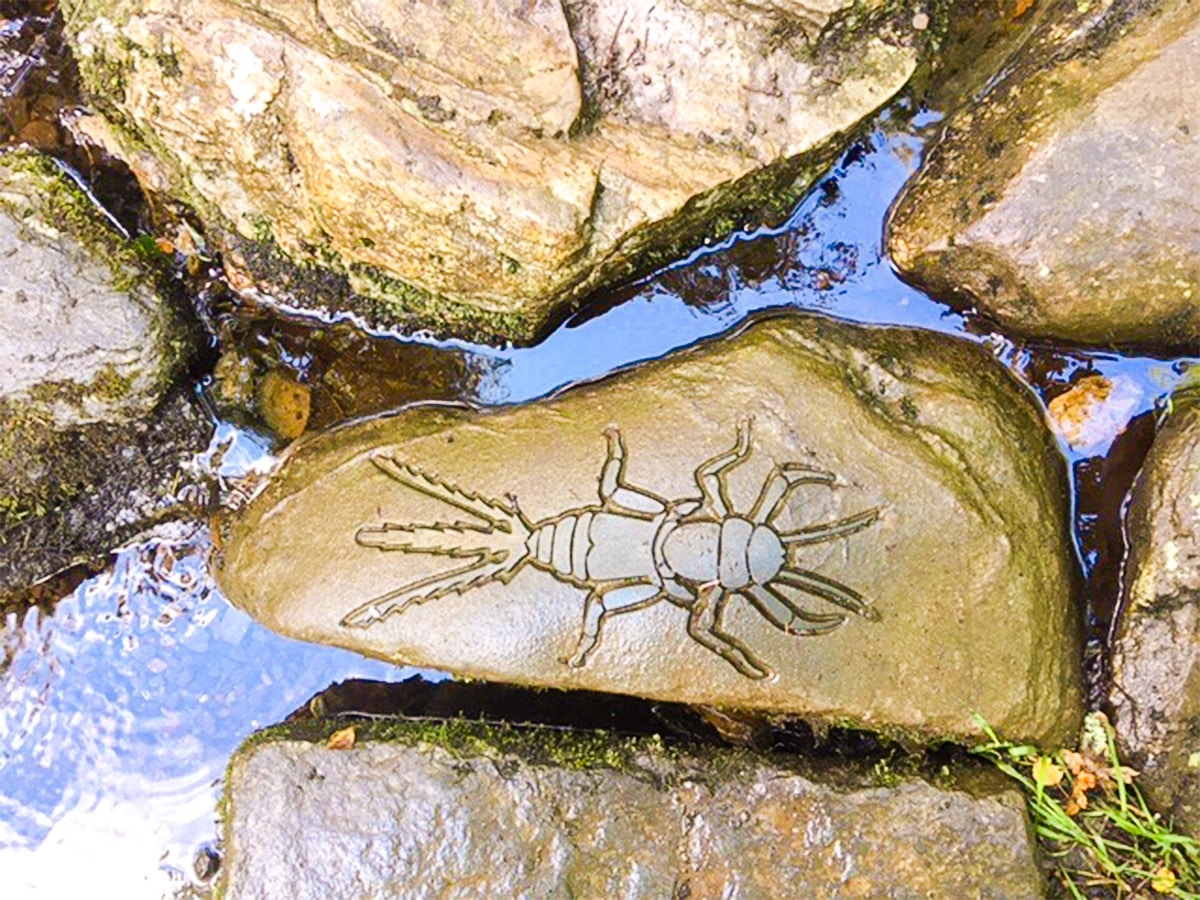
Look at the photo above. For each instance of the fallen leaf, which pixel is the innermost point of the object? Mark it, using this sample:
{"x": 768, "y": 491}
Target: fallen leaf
{"x": 1073, "y": 761}
{"x": 1020, "y": 7}
{"x": 342, "y": 739}
{"x": 1075, "y": 803}
{"x": 1163, "y": 881}
{"x": 1046, "y": 773}
{"x": 1096, "y": 409}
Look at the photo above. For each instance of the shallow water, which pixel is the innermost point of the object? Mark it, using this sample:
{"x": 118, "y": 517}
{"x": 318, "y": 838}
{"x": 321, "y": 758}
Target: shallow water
{"x": 118, "y": 712}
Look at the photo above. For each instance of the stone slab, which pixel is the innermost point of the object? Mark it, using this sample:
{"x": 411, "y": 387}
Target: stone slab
{"x": 421, "y": 820}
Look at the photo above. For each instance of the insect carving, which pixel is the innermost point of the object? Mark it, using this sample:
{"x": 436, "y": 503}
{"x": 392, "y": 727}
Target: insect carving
{"x": 633, "y": 550}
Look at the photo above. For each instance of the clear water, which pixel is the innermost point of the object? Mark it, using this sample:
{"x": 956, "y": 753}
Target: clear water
{"x": 119, "y": 712}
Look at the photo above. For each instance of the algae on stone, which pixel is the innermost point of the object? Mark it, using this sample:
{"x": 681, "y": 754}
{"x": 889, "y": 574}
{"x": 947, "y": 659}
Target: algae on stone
{"x": 968, "y": 564}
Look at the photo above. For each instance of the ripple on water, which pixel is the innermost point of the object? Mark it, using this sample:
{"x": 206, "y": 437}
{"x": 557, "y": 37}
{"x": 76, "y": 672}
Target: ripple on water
{"x": 118, "y": 714}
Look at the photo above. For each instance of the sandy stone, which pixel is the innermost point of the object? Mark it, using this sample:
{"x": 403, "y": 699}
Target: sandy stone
{"x": 480, "y": 175}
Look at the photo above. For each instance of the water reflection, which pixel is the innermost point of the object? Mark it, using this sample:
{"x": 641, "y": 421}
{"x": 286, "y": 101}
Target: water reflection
{"x": 118, "y": 714}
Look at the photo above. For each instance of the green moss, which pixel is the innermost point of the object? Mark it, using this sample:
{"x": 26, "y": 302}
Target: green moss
{"x": 463, "y": 738}
{"x": 27, "y": 439}
{"x": 109, "y": 385}
{"x": 389, "y": 301}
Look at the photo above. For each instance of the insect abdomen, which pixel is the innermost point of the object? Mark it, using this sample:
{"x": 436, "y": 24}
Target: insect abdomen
{"x": 561, "y": 545}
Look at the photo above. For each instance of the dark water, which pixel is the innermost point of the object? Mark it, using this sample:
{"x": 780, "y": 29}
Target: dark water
{"x": 118, "y": 712}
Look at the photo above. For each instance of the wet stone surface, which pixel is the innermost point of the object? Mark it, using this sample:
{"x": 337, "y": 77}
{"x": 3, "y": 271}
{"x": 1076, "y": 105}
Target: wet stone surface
{"x": 1064, "y": 203}
{"x": 84, "y": 336}
{"x": 1156, "y": 665}
{"x": 92, "y": 437}
{"x": 853, "y": 524}
{"x": 478, "y": 184}
{"x": 463, "y": 810}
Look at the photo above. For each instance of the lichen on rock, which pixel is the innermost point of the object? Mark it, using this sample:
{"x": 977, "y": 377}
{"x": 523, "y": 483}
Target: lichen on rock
{"x": 90, "y": 348}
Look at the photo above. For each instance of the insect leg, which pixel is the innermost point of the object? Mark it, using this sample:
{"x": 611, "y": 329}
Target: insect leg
{"x": 614, "y": 492}
{"x": 483, "y": 569}
{"x": 706, "y": 627}
{"x": 710, "y": 476}
{"x": 607, "y": 600}
{"x": 777, "y": 488}
{"x": 787, "y": 616}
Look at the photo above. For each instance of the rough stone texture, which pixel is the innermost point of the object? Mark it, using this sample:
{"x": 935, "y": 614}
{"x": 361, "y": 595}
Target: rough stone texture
{"x": 1066, "y": 203}
{"x": 1156, "y": 658}
{"x": 479, "y": 173}
{"x": 88, "y": 351}
{"x": 392, "y": 820}
{"x": 83, "y": 336}
{"x": 968, "y": 565}
{"x": 96, "y": 488}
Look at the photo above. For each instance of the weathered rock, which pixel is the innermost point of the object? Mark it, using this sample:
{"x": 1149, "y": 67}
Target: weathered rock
{"x": 480, "y": 174}
{"x": 950, "y": 513}
{"x": 88, "y": 350}
{"x": 1065, "y": 203}
{"x": 460, "y": 811}
{"x": 1156, "y": 658}
{"x": 84, "y": 337}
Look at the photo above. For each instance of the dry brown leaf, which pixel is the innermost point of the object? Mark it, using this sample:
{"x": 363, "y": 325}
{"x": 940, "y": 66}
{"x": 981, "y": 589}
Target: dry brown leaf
{"x": 1073, "y": 761}
{"x": 1020, "y": 7}
{"x": 342, "y": 739}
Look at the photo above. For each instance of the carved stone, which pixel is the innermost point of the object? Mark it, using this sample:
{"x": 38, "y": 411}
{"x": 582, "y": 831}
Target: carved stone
{"x": 885, "y": 542}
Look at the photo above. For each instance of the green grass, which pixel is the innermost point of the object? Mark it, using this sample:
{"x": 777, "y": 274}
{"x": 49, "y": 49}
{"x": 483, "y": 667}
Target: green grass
{"x": 1093, "y": 820}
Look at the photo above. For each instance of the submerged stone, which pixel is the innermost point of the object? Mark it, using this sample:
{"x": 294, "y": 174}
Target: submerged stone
{"x": 1065, "y": 203}
{"x": 479, "y": 176}
{"x": 1156, "y": 655}
{"x": 854, "y": 524}
{"x": 458, "y": 810}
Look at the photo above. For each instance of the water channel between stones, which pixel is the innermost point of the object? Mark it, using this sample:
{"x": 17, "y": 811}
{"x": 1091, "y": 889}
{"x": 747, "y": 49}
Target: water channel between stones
{"x": 123, "y": 706}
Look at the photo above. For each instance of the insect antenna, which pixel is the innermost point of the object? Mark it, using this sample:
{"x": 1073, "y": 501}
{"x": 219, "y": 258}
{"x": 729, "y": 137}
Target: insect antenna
{"x": 490, "y": 511}
{"x": 816, "y": 534}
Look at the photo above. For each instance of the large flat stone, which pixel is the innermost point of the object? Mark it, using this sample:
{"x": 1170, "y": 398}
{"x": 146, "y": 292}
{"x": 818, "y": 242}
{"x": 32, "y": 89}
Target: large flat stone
{"x": 1066, "y": 202}
{"x": 949, "y": 497}
{"x": 478, "y": 175}
{"x": 466, "y": 818}
{"x": 1156, "y": 655}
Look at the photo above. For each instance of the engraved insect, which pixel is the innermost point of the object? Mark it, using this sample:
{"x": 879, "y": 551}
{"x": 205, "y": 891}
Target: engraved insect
{"x": 633, "y": 550}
